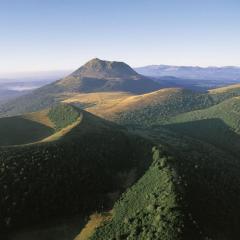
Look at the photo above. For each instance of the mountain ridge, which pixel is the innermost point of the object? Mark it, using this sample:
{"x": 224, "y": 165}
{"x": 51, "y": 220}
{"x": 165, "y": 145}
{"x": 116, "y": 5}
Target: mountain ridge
{"x": 191, "y": 72}
{"x": 95, "y": 76}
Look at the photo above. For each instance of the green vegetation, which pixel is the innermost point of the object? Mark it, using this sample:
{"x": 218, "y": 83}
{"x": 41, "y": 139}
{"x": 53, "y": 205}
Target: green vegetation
{"x": 221, "y": 94}
{"x": 63, "y": 115}
{"x": 70, "y": 176}
{"x": 218, "y": 125}
{"x": 212, "y": 187}
{"x": 95, "y": 76}
{"x": 205, "y": 146}
{"x": 228, "y": 111}
{"x": 208, "y": 183}
{"x": 160, "y": 111}
{"x": 190, "y": 191}
{"x": 213, "y": 131}
{"x": 151, "y": 209}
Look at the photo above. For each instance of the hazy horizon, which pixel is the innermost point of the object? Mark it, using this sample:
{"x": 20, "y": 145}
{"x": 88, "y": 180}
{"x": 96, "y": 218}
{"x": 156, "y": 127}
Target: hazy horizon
{"x": 58, "y": 35}
{"x": 62, "y": 72}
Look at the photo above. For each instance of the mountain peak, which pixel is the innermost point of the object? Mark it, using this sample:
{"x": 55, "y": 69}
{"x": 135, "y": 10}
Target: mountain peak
{"x": 97, "y": 68}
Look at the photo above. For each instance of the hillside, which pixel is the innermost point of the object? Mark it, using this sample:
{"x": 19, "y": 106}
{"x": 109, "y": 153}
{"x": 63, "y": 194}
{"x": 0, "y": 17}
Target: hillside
{"x": 25, "y": 129}
{"x": 189, "y": 192}
{"x": 158, "y": 213}
{"x": 218, "y": 125}
{"x": 223, "y": 93}
{"x": 141, "y": 109}
{"x": 95, "y": 76}
{"x": 77, "y": 172}
{"x": 159, "y": 106}
{"x": 84, "y": 163}
{"x": 153, "y": 108}
{"x": 201, "y": 166}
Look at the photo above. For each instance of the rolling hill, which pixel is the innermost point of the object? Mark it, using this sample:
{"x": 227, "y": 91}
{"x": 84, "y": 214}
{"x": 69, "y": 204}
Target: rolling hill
{"x": 218, "y": 125}
{"x": 65, "y": 161}
{"x": 153, "y": 108}
{"x": 191, "y": 190}
{"x": 141, "y": 109}
{"x": 25, "y": 129}
{"x": 77, "y": 169}
{"x": 95, "y": 76}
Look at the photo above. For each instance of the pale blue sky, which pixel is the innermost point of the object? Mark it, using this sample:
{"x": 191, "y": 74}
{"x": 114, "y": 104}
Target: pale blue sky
{"x": 40, "y": 35}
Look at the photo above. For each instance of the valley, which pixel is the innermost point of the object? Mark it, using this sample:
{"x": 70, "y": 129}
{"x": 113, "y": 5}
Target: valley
{"x": 139, "y": 163}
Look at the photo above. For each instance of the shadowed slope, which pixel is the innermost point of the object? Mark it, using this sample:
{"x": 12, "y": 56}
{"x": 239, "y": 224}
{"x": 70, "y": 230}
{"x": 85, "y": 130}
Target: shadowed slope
{"x": 76, "y": 173}
{"x": 228, "y": 111}
{"x": 213, "y": 131}
{"x": 24, "y": 129}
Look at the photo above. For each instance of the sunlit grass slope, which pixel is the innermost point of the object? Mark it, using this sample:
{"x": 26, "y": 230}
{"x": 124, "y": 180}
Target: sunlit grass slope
{"x": 145, "y": 109}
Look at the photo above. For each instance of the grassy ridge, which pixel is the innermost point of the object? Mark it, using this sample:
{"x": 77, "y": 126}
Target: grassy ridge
{"x": 36, "y": 126}
{"x": 160, "y": 111}
{"x": 228, "y": 111}
{"x": 224, "y": 93}
{"x": 151, "y": 209}
{"x": 73, "y": 175}
{"x": 63, "y": 115}
{"x": 211, "y": 184}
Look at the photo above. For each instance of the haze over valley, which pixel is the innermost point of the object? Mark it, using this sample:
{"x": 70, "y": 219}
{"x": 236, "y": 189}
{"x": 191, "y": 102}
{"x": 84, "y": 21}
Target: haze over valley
{"x": 119, "y": 120}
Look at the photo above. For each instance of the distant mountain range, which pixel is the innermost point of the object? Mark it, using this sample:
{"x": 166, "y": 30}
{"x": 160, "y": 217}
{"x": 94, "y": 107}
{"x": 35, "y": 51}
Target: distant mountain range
{"x": 191, "y": 72}
{"x": 95, "y": 76}
{"x": 93, "y": 140}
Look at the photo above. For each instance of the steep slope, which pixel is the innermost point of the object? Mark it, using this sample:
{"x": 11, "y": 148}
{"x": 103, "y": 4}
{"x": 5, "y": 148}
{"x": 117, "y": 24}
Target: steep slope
{"x": 218, "y": 125}
{"x": 25, "y": 129}
{"x": 228, "y": 111}
{"x": 203, "y": 173}
{"x": 153, "y": 108}
{"x": 223, "y": 93}
{"x": 211, "y": 184}
{"x": 95, "y": 76}
{"x": 144, "y": 109}
{"x": 98, "y": 76}
{"x": 159, "y": 106}
{"x": 77, "y": 172}
{"x": 191, "y": 191}
{"x": 158, "y": 212}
